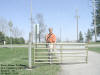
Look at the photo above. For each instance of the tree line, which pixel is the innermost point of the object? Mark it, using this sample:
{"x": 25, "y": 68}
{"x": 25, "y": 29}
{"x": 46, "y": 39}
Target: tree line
{"x": 88, "y": 36}
{"x": 11, "y": 40}
{"x": 91, "y": 31}
{"x": 97, "y": 15}
{"x": 10, "y": 33}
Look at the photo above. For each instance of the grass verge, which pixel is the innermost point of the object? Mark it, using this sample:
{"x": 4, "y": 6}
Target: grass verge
{"x": 19, "y": 56}
{"x": 94, "y": 43}
{"x": 95, "y": 49}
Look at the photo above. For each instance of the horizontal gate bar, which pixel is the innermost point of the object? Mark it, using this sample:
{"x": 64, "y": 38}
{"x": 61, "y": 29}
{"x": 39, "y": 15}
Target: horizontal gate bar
{"x": 60, "y": 62}
{"x": 61, "y": 43}
{"x": 59, "y": 56}
{"x": 45, "y": 56}
{"x": 59, "y": 53}
{"x": 47, "y": 59}
{"x": 47, "y": 62}
{"x": 63, "y": 48}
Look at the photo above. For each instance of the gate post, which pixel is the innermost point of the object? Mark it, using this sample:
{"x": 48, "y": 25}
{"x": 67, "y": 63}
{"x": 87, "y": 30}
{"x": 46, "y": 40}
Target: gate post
{"x": 86, "y": 53}
{"x": 61, "y": 51}
{"x": 29, "y": 52}
{"x": 34, "y": 52}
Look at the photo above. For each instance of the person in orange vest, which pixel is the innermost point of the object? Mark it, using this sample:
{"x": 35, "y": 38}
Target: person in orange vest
{"x": 50, "y": 40}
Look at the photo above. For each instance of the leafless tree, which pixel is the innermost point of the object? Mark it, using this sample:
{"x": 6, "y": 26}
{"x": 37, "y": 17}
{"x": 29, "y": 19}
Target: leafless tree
{"x": 3, "y": 25}
{"x": 10, "y": 24}
{"x": 16, "y": 32}
{"x": 42, "y": 27}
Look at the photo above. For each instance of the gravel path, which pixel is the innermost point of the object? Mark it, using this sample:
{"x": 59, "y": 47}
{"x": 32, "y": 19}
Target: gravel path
{"x": 92, "y": 68}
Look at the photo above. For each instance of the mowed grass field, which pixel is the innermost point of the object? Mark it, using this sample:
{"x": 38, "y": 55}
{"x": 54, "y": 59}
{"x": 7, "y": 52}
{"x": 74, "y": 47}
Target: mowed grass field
{"x": 20, "y": 56}
{"x": 95, "y": 49}
{"x": 94, "y": 43}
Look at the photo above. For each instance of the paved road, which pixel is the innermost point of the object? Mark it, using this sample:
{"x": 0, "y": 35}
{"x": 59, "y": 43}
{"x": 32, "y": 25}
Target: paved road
{"x": 92, "y": 68}
{"x": 92, "y": 45}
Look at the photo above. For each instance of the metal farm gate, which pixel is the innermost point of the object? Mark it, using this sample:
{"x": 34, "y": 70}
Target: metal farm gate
{"x": 62, "y": 53}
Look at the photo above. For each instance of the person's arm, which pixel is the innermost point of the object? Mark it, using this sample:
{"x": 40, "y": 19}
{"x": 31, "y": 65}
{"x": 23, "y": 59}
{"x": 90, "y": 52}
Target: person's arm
{"x": 46, "y": 37}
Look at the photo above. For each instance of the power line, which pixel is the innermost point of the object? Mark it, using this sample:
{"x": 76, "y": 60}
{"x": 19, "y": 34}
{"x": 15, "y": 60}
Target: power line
{"x": 60, "y": 33}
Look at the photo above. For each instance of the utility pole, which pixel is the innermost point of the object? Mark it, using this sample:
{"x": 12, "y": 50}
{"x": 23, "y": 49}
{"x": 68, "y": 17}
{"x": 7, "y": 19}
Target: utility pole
{"x": 35, "y": 33}
{"x": 60, "y": 33}
{"x": 32, "y": 27}
{"x": 30, "y": 51}
{"x": 10, "y": 25}
{"x": 94, "y": 12}
{"x": 30, "y": 40}
{"x": 77, "y": 18}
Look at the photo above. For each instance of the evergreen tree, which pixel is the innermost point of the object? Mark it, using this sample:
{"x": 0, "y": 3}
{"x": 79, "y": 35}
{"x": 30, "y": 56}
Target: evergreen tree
{"x": 97, "y": 17}
{"x": 7, "y": 39}
{"x": 80, "y": 37}
{"x": 88, "y": 36}
{"x": 2, "y": 38}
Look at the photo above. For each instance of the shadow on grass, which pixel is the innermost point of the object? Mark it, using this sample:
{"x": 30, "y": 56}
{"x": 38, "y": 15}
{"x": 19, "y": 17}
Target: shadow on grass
{"x": 47, "y": 64}
{"x": 72, "y": 63}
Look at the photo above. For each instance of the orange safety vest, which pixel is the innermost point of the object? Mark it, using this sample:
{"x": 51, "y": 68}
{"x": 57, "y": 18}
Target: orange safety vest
{"x": 51, "y": 38}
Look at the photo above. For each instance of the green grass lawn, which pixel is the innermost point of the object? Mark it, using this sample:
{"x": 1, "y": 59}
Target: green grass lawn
{"x": 20, "y": 56}
{"x": 94, "y": 43}
{"x": 95, "y": 49}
